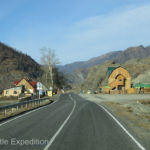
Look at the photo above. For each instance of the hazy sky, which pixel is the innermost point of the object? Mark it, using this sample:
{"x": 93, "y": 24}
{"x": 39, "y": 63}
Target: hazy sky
{"x": 75, "y": 29}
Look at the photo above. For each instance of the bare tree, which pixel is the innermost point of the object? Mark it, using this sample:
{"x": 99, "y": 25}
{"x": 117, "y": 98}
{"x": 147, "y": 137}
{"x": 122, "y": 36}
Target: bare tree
{"x": 49, "y": 61}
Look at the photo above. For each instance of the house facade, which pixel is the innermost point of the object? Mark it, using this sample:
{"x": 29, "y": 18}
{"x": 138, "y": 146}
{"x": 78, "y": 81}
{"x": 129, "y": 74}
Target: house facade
{"x": 42, "y": 89}
{"x": 119, "y": 79}
{"x": 119, "y": 82}
{"x": 15, "y": 91}
{"x": 29, "y": 86}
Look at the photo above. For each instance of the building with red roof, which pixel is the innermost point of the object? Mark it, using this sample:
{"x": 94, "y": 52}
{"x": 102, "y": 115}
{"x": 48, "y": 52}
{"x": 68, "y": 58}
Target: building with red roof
{"x": 28, "y": 84}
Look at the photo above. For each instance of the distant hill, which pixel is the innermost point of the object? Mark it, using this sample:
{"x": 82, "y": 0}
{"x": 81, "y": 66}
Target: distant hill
{"x": 138, "y": 52}
{"x": 77, "y": 77}
{"x": 14, "y": 65}
{"x": 69, "y": 68}
{"x": 120, "y": 57}
{"x": 97, "y": 75}
{"x": 133, "y": 52}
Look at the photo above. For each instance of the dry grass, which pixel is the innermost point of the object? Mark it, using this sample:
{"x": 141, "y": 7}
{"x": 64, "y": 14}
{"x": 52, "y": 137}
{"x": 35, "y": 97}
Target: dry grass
{"x": 12, "y": 98}
{"x": 129, "y": 109}
{"x": 145, "y": 102}
{"x": 128, "y": 114}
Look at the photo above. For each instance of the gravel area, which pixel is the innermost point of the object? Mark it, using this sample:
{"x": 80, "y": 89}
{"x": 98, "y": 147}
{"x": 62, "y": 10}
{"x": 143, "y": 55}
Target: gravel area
{"x": 116, "y": 98}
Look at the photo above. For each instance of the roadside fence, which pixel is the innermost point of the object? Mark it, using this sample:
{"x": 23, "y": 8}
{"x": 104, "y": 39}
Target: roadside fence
{"x": 22, "y": 106}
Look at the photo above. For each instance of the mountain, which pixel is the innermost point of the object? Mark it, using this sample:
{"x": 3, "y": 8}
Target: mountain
{"x": 133, "y": 52}
{"x": 76, "y": 70}
{"x": 69, "y": 68}
{"x": 14, "y": 65}
{"x": 97, "y": 75}
{"x": 77, "y": 76}
{"x": 138, "y": 52}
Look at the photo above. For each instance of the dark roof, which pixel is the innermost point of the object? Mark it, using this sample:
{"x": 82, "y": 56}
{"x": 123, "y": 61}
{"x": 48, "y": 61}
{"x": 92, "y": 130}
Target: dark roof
{"x": 110, "y": 70}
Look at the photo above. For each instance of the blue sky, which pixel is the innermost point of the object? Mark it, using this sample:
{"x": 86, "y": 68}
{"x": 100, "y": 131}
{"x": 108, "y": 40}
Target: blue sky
{"x": 75, "y": 29}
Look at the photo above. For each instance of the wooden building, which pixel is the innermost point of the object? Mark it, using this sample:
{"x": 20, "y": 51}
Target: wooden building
{"x": 15, "y": 91}
{"x": 142, "y": 88}
{"x": 29, "y": 85}
{"x": 119, "y": 78}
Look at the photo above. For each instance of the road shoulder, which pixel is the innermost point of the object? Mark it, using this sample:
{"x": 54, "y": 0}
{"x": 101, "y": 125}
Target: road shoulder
{"x": 133, "y": 114}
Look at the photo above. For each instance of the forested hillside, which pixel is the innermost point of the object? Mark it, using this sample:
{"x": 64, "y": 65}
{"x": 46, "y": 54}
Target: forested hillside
{"x": 15, "y": 65}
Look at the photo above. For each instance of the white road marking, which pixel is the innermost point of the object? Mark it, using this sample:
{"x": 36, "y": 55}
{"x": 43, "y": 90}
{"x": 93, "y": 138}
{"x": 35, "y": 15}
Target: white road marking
{"x": 61, "y": 127}
{"x": 36, "y": 109}
{"x": 124, "y": 129}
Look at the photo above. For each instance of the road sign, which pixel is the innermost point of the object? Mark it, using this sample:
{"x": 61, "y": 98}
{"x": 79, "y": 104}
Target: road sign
{"x": 40, "y": 92}
{"x": 50, "y": 93}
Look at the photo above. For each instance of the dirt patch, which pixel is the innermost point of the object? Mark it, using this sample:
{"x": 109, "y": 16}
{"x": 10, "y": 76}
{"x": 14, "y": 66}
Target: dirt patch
{"x": 12, "y": 98}
{"x": 145, "y": 102}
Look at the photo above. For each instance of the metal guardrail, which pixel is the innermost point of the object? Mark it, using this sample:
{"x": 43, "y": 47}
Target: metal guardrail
{"x": 22, "y": 105}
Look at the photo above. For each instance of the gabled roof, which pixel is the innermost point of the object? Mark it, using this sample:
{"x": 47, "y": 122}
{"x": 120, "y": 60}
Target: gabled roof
{"x": 110, "y": 70}
{"x": 41, "y": 86}
{"x": 32, "y": 83}
{"x": 16, "y": 82}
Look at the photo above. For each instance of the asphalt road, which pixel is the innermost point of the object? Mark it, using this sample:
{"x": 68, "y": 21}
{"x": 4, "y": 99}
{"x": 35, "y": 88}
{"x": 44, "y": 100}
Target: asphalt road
{"x": 71, "y": 123}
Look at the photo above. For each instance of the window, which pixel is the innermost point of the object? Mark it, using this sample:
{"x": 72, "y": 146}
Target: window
{"x": 7, "y": 92}
{"x": 15, "y": 92}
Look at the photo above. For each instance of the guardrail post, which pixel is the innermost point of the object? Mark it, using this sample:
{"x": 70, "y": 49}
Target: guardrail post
{"x": 5, "y": 112}
{"x": 26, "y": 105}
{"x": 17, "y": 108}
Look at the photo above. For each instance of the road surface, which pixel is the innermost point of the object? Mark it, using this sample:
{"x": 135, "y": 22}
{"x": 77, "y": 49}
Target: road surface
{"x": 70, "y": 123}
